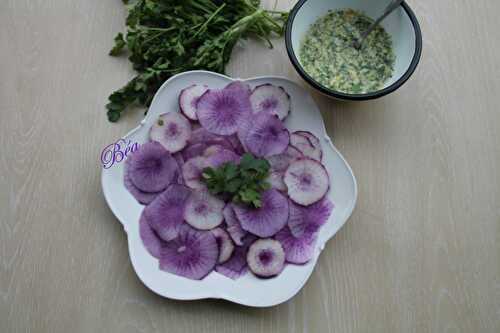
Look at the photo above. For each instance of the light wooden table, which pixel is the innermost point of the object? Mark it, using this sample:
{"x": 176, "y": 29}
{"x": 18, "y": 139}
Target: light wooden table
{"x": 420, "y": 254}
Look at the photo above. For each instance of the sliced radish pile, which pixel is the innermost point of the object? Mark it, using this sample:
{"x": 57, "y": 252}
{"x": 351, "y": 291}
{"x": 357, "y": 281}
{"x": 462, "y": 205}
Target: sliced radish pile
{"x": 270, "y": 99}
{"x": 188, "y": 98}
{"x": 268, "y": 219}
{"x": 203, "y": 211}
{"x": 266, "y": 257}
{"x": 307, "y": 181}
{"x": 193, "y": 254}
{"x": 305, "y": 146}
{"x": 265, "y": 135}
{"x": 172, "y": 130}
{"x": 220, "y": 111}
{"x": 192, "y": 232}
{"x": 151, "y": 168}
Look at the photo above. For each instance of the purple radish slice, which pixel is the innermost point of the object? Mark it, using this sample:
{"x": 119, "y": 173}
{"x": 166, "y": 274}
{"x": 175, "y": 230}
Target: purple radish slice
{"x": 298, "y": 250}
{"x": 266, "y": 136}
{"x": 233, "y": 225}
{"x": 203, "y": 210}
{"x": 241, "y": 86}
{"x": 269, "y": 218}
{"x": 213, "y": 149}
{"x": 179, "y": 159}
{"x": 312, "y": 138}
{"x": 237, "y": 146}
{"x": 270, "y": 99}
{"x": 194, "y": 150}
{"x": 275, "y": 178}
{"x": 226, "y": 246}
{"x": 193, "y": 254}
{"x": 266, "y": 257}
{"x": 142, "y": 197}
{"x": 172, "y": 130}
{"x": 221, "y": 110}
{"x": 151, "y": 168}
{"x": 281, "y": 161}
{"x": 188, "y": 99}
{"x": 307, "y": 181}
{"x": 201, "y": 135}
{"x": 152, "y": 242}
{"x": 309, "y": 219}
{"x": 236, "y": 266}
{"x": 224, "y": 156}
{"x": 192, "y": 170}
{"x": 305, "y": 146}
{"x": 165, "y": 214}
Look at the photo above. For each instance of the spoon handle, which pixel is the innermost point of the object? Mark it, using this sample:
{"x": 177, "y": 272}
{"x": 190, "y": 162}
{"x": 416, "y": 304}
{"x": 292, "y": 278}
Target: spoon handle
{"x": 393, "y": 5}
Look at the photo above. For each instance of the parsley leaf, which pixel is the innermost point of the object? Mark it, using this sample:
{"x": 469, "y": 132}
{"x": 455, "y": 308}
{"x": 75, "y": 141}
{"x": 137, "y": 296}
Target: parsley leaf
{"x": 243, "y": 183}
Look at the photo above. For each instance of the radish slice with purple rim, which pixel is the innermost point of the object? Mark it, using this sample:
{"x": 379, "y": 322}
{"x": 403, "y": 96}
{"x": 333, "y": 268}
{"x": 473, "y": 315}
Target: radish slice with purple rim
{"x": 312, "y": 138}
{"x": 152, "y": 242}
{"x": 203, "y": 211}
{"x": 213, "y": 149}
{"x": 266, "y": 135}
{"x": 220, "y": 111}
{"x": 192, "y": 170}
{"x": 309, "y": 219}
{"x": 266, "y": 257}
{"x": 151, "y": 168}
{"x": 233, "y": 225}
{"x": 266, "y": 220}
{"x": 236, "y": 266}
{"x": 275, "y": 178}
{"x": 270, "y": 99}
{"x": 298, "y": 250}
{"x": 307, "y": 181}
{"x": 226, "y": 246}
{"x": 281, "y": 161}
{"x": 188, "y": 98}
{"x": 172, "y": 130}
{"x": 165, "y": 213}
{"x": 237, "y": 146}
{"x": 193, "y": 254}
{"x": 305, "y": 145}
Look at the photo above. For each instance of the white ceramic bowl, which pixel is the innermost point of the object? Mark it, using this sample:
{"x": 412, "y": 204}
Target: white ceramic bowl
{"x": 401, "y": 24}
{"x": 247, "y": 290}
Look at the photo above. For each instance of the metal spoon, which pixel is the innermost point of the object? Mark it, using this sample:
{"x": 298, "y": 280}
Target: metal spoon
{"x": 389, "y": 9}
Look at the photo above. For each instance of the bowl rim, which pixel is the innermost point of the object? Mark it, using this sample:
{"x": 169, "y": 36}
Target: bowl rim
{"x": 354, "y": 97}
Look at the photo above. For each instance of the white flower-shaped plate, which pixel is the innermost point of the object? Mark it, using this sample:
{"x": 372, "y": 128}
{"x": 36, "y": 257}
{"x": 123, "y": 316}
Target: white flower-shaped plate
{"x": 248, "y": 290}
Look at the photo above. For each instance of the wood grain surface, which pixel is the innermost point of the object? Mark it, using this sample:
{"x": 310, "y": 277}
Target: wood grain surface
{"x": 421, "y": 252}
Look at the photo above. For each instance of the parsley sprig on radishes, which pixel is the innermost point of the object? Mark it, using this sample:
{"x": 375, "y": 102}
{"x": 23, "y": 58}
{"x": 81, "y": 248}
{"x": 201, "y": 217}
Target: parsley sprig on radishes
{"x": 243, "y": 182}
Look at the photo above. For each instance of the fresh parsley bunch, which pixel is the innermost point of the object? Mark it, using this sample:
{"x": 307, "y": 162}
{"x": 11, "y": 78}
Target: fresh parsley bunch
{"x": 242, "y": 182}
{"x": 167, "y": 37}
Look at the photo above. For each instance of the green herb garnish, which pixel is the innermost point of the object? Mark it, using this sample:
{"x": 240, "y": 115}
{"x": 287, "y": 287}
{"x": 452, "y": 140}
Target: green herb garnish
{"x": 242, "y": 182}
{"x": 167, "y": 37}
